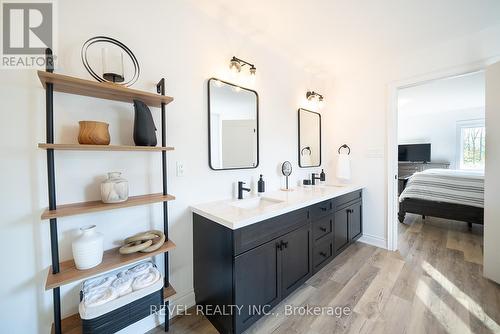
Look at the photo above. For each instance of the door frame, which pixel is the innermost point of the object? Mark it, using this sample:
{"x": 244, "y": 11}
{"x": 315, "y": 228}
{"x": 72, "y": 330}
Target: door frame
{"x": 392, "y": 135}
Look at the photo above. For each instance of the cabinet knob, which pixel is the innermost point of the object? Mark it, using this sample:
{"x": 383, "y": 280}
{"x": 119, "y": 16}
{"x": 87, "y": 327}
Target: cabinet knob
{"x": 322, "y": 254}
{"x": 279, "y": 245}
{"x": 322, "y": 228}
{"x": 285, "y": 244}
{"x": 324, "y": 209}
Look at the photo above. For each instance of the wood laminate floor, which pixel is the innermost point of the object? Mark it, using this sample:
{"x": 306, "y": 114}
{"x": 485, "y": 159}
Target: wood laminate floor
{"x": 433, "y": 284}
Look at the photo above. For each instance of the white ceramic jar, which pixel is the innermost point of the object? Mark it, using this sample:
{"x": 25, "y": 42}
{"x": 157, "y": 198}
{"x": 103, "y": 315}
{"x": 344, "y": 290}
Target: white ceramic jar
{"x": 88, "y": 248}
{"x": 114, "y": 189}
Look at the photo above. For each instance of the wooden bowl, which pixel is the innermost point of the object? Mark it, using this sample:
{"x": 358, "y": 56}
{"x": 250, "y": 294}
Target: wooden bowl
{"x": 93, "y": 133}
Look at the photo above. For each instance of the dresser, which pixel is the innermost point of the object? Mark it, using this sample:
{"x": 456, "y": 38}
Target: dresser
{"x": 409, "y": 168}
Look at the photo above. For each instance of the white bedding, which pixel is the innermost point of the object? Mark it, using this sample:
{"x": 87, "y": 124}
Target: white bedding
{"x": 446, "y": 185}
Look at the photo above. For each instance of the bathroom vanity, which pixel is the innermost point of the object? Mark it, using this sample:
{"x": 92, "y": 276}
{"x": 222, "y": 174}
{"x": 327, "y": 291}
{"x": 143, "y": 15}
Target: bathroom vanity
{"x": 252, "y": 253}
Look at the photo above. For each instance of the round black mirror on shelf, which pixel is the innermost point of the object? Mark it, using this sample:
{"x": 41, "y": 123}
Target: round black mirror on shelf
{"x": 107, "y": 53}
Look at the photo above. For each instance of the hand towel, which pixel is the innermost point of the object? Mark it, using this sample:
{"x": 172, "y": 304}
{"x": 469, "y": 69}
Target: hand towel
{"x": 100, "y": 296}
{"x": 98, "y": 283}
{"x": 140, "y": 269}
{"x": 146, "y": 279}
{"x": 344, "y": 167}
{"x": 123, "y": 284}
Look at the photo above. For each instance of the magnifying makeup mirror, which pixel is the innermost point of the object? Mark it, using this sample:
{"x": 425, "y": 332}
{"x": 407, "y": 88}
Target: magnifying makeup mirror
{"x": 286, "y": 169}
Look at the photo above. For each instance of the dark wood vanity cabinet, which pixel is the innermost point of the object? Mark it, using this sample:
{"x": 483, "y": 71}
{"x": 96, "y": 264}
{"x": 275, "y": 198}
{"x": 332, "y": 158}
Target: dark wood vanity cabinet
{"x": 348, "y": 222}
{"x": 256, "y": 266}
{"x": 257, "y": 280}
{"x": 296, "y": 257}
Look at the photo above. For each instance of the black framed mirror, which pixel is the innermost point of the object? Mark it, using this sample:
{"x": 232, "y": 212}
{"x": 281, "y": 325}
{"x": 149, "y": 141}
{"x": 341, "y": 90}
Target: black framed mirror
{"x": 309, "y": 138}
{"x": 233, "y": 126}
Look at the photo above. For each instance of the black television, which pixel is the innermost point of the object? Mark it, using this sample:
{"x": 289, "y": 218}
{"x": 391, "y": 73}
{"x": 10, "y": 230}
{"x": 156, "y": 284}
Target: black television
{"x": 414, "y": 152}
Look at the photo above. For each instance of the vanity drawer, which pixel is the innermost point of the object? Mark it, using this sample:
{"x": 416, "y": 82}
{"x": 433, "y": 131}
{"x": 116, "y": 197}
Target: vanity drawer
{"x": 322, "y": 227}
{"x": 321, "y": 209}
{"x": 322, "y": 254}
{"x": 347, "y": 198}
{"x": 256, "y": 234}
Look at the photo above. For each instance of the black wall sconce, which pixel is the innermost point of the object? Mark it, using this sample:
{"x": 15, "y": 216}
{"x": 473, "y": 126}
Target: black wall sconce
{"x": 236, "y": 64}
{"x": 313, "y": 96}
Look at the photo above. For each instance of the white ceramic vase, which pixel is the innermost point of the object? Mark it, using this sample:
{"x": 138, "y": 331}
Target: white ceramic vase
{"x": 114, "y": 189}
{"x": 88, "y": 248}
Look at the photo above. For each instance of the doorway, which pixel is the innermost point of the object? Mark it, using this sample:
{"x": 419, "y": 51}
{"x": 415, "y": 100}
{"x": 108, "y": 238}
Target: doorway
{"x": 419, "y": 99}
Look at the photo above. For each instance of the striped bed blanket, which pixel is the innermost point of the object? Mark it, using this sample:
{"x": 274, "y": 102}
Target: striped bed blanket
{"x": 446, "y": 185}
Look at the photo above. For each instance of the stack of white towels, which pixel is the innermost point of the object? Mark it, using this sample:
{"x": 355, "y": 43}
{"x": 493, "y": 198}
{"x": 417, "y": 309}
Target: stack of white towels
{"x": 101, "y": 291}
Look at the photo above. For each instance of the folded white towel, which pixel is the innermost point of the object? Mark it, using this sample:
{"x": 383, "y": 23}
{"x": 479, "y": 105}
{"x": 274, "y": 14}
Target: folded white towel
{"x": 140, "y": 269}
{"x": 100, "y": 296}
{"x": 98, "y": 283}
{"x": 123, "y": 284}
{"x": 147, "y": 279}
{"x": 344, "y": 167}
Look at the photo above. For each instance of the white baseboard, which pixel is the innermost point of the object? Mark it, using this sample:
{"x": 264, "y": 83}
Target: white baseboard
{"x": 183, "y": 301}
{"x": 179, "y": 302}
{"x": 373, "y": 240}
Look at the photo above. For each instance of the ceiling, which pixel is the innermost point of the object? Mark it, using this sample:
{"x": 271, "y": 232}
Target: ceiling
{"x": 455, "y": 93}
{"x": 324, "y": 35}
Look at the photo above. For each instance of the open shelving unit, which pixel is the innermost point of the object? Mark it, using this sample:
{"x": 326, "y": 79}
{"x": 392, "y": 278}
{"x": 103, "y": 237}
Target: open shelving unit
{"x": 62, "y": 273}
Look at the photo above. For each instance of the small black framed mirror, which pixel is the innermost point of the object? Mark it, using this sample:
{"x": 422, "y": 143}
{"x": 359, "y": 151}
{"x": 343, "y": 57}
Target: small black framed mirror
{"x": 309, "y": 138}
{"x": 233, "y": 126}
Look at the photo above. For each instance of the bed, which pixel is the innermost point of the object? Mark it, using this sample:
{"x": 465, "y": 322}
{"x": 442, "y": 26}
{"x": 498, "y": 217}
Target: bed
{"x": 444, "y": 193}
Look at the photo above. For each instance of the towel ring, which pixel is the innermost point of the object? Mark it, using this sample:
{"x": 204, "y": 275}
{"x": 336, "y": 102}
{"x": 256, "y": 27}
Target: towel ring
{"x": 345, "y": 146}
{"x": 307, "y": 148}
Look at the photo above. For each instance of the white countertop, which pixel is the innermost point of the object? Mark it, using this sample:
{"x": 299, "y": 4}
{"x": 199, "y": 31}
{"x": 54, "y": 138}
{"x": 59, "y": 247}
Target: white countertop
{"x": 227, "y": 214}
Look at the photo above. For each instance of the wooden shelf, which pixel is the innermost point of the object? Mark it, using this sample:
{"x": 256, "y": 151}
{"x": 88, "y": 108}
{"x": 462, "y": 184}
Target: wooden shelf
{"x": 96, "y": 206}
{"x": 112, "y": 259}
{"x": 108, "y": 91}
{"x": 73, "y": 323}
{"x": 70, "y": 325}
{"x": 168, "y": 292}
{"x": 78, "y": 147}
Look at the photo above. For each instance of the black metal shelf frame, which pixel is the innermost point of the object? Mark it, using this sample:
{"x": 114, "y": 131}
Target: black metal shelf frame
{"x": 49, "y": 108}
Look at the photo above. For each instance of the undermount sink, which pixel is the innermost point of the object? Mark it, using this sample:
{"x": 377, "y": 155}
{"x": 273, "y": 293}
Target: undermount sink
{"x": 323, "y": 186}
{"x": 255, "y": 203}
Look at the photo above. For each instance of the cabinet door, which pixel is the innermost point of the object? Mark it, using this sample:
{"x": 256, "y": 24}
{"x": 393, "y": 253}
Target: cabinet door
{"x": 355, "y": 221}
{"x": 340, "y": 234}
{"x": 256, "y": 283}
{"x": 296, "y": 259}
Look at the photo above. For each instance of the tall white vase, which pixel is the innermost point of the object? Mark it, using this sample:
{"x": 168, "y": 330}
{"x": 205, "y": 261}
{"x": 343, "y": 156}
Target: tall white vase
{"x": 88, "y": 248}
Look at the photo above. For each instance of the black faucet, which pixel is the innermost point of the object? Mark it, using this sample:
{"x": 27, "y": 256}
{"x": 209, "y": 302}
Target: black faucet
{"x": 315, "y": 176}
{"x": 241, "y": 189}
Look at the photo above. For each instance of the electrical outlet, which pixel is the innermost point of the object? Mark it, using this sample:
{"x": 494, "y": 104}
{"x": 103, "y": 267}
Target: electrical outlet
{"x": 179, "y": 169}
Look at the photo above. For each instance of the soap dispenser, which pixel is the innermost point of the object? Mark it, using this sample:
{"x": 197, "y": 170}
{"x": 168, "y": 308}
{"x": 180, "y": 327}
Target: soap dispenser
{"x": 261, "y": 185}
{"x": 322, "y": 176}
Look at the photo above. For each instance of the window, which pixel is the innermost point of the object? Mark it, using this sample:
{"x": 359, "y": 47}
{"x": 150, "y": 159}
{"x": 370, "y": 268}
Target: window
{"x": 471, "y": 144}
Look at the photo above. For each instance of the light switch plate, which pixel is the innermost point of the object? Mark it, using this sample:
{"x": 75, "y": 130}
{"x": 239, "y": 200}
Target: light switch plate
{"x": 179, "y": 169}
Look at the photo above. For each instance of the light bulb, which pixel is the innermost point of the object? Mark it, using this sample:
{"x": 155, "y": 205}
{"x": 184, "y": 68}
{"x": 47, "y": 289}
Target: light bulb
{"x": 235, "y": 66}
{"x": 253, "y": 71}
{"x": 321, "y": 103}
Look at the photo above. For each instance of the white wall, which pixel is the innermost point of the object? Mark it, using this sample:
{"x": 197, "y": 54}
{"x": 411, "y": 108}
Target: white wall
{"x": 492, "y": 175}
{"x": 439, "y": 129}
{"x": 171, "y": 39}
